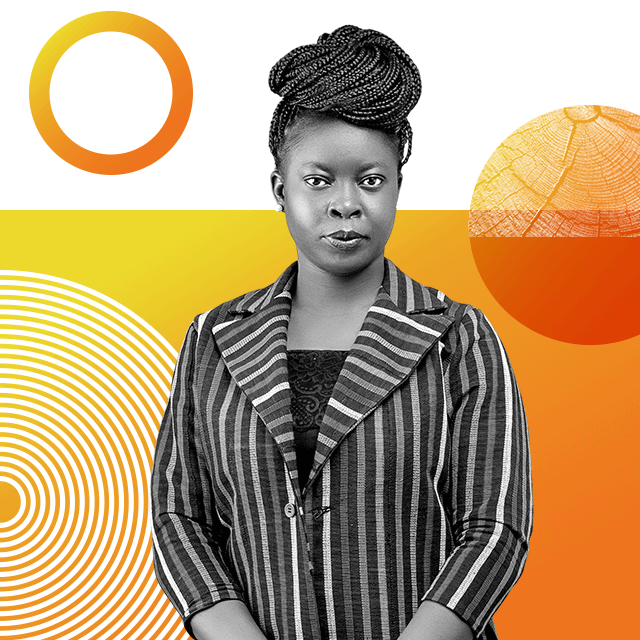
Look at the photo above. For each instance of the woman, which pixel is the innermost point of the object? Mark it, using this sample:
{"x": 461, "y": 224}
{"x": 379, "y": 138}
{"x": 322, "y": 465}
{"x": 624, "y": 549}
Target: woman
{"x": 345, "y": 452}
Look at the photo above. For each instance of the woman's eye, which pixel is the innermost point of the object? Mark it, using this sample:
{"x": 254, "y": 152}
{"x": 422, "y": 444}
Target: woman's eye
{"x": 316, "y": 181}
{"x": 372, "y": 181}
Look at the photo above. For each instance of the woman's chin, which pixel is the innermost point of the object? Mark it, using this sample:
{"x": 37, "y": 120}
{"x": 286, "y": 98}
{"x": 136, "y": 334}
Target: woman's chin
{"x": 349, "y": 263}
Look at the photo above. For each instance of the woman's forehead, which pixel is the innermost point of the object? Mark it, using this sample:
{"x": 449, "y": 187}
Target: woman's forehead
{"x": 327, "y": 144}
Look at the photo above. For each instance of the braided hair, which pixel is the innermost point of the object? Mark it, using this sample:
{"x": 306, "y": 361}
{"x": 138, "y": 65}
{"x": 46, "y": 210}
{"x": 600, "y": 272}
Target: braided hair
{"x": 358, "y": 75}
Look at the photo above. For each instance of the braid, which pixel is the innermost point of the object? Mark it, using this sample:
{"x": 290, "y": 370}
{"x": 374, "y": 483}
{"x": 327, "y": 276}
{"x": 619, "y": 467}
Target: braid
{"x": 358, "y": 75}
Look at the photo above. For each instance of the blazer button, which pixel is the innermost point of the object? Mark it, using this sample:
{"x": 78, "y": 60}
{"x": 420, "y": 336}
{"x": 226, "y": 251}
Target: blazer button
{"x": 289, "y": 509}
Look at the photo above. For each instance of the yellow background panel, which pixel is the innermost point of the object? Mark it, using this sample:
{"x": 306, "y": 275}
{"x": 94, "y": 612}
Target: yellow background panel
{"x": 581, "y": 401}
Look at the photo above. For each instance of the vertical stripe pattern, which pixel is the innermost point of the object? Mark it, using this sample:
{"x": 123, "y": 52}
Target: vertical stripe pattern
{"x": 420, "y": 487}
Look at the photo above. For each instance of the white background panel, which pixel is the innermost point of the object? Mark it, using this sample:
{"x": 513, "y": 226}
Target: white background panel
{"x": 488, "y": 67}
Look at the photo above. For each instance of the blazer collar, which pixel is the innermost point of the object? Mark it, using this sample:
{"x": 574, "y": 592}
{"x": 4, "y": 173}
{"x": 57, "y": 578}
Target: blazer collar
{"x": 402, "y": 325}
{"x": 407, "y": 294}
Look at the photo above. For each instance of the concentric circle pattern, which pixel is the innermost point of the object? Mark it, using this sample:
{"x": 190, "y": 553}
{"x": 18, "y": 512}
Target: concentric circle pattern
{"x": 83, "y": 386}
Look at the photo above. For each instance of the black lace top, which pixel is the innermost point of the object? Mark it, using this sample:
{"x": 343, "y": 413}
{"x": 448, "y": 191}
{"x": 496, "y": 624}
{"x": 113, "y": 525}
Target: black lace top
{"x": 312, "y": 375}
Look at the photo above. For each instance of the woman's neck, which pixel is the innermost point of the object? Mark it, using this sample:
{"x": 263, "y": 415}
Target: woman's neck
{"x": 318, "y": 291}
{"x": 328, "y": 310}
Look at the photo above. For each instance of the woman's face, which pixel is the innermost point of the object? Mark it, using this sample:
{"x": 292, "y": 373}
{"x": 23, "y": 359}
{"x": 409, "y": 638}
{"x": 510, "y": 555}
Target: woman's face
{"x": 339, "y": 186}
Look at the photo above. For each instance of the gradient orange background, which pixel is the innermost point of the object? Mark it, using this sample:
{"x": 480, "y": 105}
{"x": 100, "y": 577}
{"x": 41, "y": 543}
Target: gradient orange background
{"x": 581, "y": 401}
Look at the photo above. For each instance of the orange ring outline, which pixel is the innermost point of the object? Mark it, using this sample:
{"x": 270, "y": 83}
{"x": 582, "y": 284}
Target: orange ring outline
{"x": 40, "y": 97}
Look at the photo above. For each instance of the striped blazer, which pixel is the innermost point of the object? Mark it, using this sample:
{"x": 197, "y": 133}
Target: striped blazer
{"x": 420, "y": 487}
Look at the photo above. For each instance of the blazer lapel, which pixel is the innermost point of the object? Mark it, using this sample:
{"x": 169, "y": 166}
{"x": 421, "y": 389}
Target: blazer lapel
{"x": 254, "y": 348}
{"x": 403, "y": 324}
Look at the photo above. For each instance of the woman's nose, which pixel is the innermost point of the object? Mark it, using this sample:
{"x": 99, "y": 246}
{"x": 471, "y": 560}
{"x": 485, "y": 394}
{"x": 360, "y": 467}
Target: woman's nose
{"x": 345, "y": 203}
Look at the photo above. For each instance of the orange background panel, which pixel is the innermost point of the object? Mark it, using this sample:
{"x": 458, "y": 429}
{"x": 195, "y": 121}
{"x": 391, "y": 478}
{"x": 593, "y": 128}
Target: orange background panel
{"x": 581, "y": 401}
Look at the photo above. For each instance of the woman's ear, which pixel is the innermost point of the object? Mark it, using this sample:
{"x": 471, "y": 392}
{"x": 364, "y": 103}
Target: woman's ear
{"x": 277, "y": 187}
{"x": 399, "y": 182}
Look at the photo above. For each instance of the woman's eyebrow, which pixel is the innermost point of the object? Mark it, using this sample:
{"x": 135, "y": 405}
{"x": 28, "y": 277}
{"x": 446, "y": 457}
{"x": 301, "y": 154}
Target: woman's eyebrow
{"x": 316, "y": 165}
{"x": 365, "y": 167}
{"x": 373, "y": 165}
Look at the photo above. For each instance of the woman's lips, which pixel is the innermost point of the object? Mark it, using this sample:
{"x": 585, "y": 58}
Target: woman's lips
{"x": 345, "y": 240}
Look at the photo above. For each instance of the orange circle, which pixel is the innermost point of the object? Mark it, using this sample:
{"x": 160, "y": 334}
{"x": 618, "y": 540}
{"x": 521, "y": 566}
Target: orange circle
{"x": 9, "y": 501}
{"x": 40, "y": 99}
{"x": 554, "y": 224}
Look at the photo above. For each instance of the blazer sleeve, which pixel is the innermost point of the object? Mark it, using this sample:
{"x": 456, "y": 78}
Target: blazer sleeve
{"x": 189, "y": 563}
{"x": 490, "y": 498}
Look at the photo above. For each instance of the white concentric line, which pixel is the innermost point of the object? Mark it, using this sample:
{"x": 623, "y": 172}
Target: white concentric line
{"x": 84, "y": 383}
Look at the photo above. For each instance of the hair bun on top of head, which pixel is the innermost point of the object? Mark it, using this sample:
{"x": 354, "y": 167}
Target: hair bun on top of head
{"x": 359, "y": 75}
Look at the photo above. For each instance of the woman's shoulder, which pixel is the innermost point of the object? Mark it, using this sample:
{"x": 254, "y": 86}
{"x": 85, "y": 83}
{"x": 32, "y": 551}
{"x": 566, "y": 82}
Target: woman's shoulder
{"x": 460, "y": 323}
{"x": 245, "y": 304}
{"x": 414, "y": 297}
{"x": 226, "y": 312}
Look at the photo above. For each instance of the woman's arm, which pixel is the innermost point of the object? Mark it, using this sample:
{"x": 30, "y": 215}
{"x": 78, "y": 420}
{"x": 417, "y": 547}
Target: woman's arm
{"x": 228, "y": 620}
{"x": 189, "y": 563}
{"x": 489, "y": 497}
{"x": 432, "y": 621}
